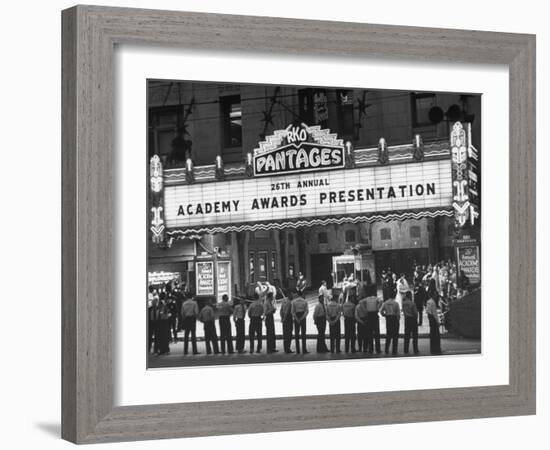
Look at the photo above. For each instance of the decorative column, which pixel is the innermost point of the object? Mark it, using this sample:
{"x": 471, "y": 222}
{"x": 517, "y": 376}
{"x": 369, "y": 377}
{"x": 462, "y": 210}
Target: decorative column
{"x": 350, "y": 156}
{"x": 157, "y": 210}
{"x": 418, "y": 145}
{"x": 383, "y": 156}
{"x": 459, "y": 155}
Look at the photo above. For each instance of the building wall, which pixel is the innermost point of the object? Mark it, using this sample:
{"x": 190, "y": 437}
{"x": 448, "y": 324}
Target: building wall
{"x": 400, "y": 231}
{"x": 389, "y": 114}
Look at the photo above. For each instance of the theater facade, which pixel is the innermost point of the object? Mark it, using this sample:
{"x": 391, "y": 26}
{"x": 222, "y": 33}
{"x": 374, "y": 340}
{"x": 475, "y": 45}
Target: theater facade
{"x": 305, "y": 199}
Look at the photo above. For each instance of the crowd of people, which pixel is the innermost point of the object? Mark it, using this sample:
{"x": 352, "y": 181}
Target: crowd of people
{"x": 357, "y": 308}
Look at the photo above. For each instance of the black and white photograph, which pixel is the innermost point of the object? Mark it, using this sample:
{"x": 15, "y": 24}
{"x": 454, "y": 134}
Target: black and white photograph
{"x": 300, "y": 223}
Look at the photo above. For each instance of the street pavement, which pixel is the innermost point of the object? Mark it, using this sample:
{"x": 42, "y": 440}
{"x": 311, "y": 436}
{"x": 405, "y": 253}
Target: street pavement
{"x": 449, "y": 345}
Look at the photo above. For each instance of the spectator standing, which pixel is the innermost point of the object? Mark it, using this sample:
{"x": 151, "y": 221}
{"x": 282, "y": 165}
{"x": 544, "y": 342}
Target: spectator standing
{"x": 287, "y": 321}
{"x": 433, "y": 318}
{"x": 348, "y": 311}
{"x": 372, "y": 329}
{"x": 334, "y": 312}
{"x": 391, "y": 311}
{"x": 269, "y": 311}
{"x": 255, "y": 313}
{"x": 225, "y": 310}
{"x": 320, "y": 320}
{"x": 207, "y": 317}
{"x": 410, "y": 314}
{"x": 189, "y": 314}
{"x": 300, "y": 310}
{"x": 239, "y": 313}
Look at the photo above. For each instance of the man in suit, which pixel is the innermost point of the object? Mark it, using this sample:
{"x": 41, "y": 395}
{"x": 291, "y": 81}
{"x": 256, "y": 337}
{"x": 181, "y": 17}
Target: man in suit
{"x": 420, "y": 301}
{"x": 433, "y": 318}
{"x": 173, "y": 320}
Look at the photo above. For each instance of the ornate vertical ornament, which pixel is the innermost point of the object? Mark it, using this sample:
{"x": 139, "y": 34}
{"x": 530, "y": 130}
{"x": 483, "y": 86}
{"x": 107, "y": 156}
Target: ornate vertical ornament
{"x": 383, "y": 156}
{"x": 418, "y": 144}
{"x": 220, "y": 173}
{"x": 157, "y": 215}
{"x": 189, "y": 174}
{"x": 459, "y": 155}
{"x": 249, "y": 170}
{"x": 350, "y": 156}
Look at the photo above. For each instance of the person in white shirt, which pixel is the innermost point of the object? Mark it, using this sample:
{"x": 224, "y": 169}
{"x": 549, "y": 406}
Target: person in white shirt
{"x": 402, "y": 287}
{"x": 261, "y": 291}
{"x": 324, "y": 292}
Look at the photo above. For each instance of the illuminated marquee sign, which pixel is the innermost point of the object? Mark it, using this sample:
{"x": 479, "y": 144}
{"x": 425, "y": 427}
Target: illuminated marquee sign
{"x": 299, "y": 149}
{"x": 330, "y": 197}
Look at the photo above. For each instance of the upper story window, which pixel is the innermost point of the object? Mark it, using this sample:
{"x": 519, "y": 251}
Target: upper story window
{"x": 414, "y": 232}
{"x": 350, "y": 235}
{"x": 322, "y": 237}
{"x": 313, "y": 106}
{"x": 290, "y": 239}
{"x": 385, "y": 234}
{"x": 232, "y": 115}
{"x": 421, "y": 104}
{"x": 345, "y": 112}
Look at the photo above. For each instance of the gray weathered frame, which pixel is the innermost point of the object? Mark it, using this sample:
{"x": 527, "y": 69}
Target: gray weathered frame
{"x": 89, "y": 36}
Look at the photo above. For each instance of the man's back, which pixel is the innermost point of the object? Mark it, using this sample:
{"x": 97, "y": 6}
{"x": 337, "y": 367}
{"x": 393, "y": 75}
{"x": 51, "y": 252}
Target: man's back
{"x": 333, "y": 309}
{"x": 390, "y": 308}
{"x": 409, "y": 309}
{"x": 189, "y": 308}
{"x": 299, "y": 305}
{"x": 256, "y": 309}
{"x": 206, "y": 314}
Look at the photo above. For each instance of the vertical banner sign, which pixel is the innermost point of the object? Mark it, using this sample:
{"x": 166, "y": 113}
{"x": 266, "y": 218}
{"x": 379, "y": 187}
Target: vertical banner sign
{"x": 205, "y": 278}
{"x": 157, "y": 210}
{"x": 224, "y": 279}
{"x": 468, "y": 263}
{"x": 461, "y": 203}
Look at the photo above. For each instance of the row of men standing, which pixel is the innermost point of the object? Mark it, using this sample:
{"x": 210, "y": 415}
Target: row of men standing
{"x": 293, "y": 317}
{"x": 361, "y": 324}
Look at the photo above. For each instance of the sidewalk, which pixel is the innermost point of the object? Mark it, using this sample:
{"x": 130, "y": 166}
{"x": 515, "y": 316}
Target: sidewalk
{"x": 450, "y": 346}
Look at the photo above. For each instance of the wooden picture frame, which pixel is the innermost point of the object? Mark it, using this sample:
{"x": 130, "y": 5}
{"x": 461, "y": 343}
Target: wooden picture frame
{"x": 89, "y": 36}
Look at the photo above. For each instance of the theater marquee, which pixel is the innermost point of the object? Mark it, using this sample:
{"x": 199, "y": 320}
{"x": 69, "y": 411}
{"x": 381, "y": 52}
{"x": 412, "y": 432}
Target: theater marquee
{"x": 299, "y": 149}
{"x": 330, "y": 197}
